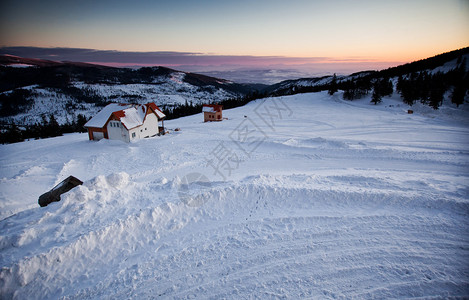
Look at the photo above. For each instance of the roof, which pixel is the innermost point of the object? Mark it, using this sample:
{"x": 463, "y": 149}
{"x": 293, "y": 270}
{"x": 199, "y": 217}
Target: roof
{"x": 131, "y": 116}
{"x": 208, "y": 109}
{"x": 157, "y": 110}
{"x": 102, "y": 117}
{"x": 212, "y": 108}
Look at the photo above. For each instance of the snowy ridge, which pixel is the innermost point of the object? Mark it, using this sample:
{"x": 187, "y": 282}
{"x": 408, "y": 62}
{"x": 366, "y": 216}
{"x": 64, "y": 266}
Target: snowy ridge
{"x": 164, "y": 90}
{"x": 339, "y": 200}
{"x": 451, "y": 64}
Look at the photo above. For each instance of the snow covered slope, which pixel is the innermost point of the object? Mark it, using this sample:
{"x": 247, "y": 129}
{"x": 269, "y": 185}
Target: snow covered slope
{"x": 68, "y": 89}
{"x": 305, "y": 196}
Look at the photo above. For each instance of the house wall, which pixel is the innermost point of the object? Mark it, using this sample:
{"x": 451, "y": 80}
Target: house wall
{"x": 210, "y": 116}
{"x": 150, "y": 126}
{"x": 126, "y": 136}
{"x": 116, "y": 131}
{"x": 148, "y": 129}
{"x": 133, "y": 134}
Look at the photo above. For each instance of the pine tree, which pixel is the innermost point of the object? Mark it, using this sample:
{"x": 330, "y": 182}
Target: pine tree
{"x": 386, "y": 87}
{"x": 400, "y": 84}
{"x": 81, "y": 121}
{"x": 457, "y": 97}
{"x": 52, "y": 128}
{"x": 436, "y": 97}
{"x": 333, "y": 85}
{"x": 12, "y": 135}
{"x": 349, "y": 90}
{"x": 461, "y": 82}
{"x": 376, "y": 96}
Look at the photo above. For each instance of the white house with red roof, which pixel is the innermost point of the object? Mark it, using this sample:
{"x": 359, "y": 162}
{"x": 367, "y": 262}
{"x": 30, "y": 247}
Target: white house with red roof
{"x": 126, "y": 122}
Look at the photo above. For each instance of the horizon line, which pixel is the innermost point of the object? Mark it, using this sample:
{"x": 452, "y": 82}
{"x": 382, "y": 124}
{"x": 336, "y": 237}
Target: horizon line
{"x": 176, "y": 58}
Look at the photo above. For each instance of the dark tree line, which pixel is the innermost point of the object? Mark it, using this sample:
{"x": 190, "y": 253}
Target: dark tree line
{"x": 188, "y": 108}
{"x": 414, "y": 82}
{"x": 381, "y": 87}
{"x": 424, "y": 86}
{"x": 333, "y": 86}
{"x": 20, "y": 100}
{"x": 48, "y": 127}
{"x": 14, "y": 102}
{"x": 425, "y": 64}
{"x": 430, "y": 88}
{"x": 460, "y": 79}
{"x": 181, "y": 110}
{"x": 356, "y": 88}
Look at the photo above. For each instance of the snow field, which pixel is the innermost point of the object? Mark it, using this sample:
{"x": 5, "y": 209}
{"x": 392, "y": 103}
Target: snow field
{"x": 250, "y": 237}
{"x": 339, "y": 200}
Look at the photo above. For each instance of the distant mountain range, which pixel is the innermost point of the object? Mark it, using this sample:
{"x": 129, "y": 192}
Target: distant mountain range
{"x": 16, "y": 61}
{"x": 34, "y": 89}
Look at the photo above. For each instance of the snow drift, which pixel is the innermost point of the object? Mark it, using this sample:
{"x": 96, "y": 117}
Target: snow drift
{"x": 326, "y": 199}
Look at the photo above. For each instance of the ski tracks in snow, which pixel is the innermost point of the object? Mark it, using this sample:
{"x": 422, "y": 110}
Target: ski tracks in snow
{"x": 250, "y": 238}
{"x": 324, "y": 208}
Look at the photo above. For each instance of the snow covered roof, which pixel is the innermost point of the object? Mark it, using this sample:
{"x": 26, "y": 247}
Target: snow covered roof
{"x": 103, "y": 116}
{"x": 212, "y": 108}
{"x": 157, "y": 110}
{"x": 130, "y": 115}
{"x": 208, "y": 109}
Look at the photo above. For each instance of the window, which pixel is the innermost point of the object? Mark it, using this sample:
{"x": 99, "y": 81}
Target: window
{"x": 133, "y": 134}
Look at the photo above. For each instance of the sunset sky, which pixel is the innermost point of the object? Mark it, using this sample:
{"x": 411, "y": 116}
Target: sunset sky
{"x": 293, "y": 32}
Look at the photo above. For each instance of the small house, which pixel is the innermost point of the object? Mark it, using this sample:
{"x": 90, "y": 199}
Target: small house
{"x": 126, "y": 122}
{"x": 212, "y": 112}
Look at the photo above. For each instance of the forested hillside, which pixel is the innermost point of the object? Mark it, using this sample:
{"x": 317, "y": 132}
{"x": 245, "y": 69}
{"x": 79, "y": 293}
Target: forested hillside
{"x": 52, "y": 98}
{"x": 428, "y": 81}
